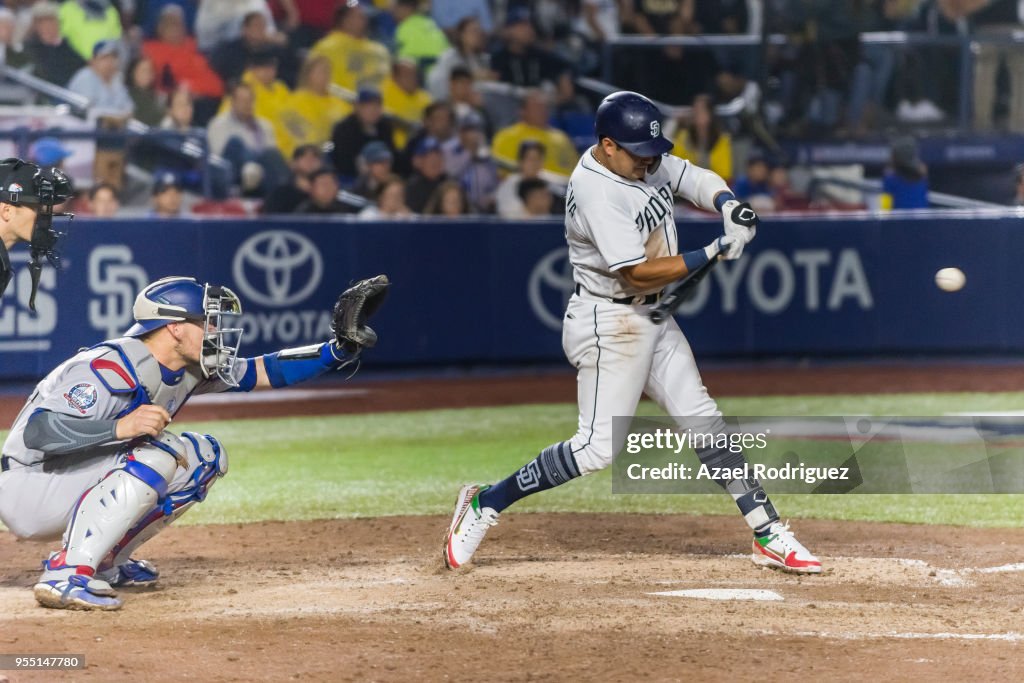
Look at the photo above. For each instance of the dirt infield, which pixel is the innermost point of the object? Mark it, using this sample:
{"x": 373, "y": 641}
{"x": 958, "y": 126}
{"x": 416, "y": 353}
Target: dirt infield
{"x": 553, "y": 597}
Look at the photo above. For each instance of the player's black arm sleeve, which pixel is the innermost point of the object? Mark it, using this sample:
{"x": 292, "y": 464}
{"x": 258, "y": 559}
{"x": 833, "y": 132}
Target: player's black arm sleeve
{"x": 58, "y": 434}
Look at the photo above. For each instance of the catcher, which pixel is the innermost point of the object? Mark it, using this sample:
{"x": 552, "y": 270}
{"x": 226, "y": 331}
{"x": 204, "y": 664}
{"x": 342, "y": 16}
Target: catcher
{"x": 90, "y": 454}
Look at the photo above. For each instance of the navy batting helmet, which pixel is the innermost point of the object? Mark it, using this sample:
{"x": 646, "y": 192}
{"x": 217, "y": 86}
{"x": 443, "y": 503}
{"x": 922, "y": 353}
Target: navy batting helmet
{"x": 632, "y": 121}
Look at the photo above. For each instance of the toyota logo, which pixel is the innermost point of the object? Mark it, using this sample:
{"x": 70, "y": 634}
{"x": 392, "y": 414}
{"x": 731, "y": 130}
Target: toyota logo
{"x": 550, "y": 287}
{"x": 277, "y": 268}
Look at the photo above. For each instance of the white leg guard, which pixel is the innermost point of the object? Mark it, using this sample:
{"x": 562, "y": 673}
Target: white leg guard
{"x": 108, "y": 510}
{"x": 103, "y": 515}
{"x": 207, "y": 461}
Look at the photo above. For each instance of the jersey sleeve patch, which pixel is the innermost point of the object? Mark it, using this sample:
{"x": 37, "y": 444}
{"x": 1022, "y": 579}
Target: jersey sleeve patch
{"x": 81, "y": 397}
{"x": 113, "y": 376}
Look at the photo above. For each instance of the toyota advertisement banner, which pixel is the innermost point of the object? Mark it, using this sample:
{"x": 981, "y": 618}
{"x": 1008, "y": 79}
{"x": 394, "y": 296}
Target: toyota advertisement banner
{"x": 494, "y": 292}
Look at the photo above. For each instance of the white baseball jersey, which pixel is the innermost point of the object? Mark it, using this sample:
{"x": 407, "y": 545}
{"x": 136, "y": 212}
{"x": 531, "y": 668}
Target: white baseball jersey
{"x": 612, "y": 222}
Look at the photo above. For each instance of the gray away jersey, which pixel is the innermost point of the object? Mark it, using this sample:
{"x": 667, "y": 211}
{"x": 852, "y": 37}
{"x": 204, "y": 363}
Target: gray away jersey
{"x": 101, "y": 384}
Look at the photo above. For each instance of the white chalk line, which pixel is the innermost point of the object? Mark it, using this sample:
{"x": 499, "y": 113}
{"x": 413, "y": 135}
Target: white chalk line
{"x": 755, "y": 594}
{"x": 1009, "y": 636}
{"x": 278, "y": 396}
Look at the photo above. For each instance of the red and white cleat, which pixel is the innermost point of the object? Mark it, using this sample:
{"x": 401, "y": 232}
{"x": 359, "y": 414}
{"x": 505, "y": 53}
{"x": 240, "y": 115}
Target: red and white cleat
{"x": 779, "y": 549}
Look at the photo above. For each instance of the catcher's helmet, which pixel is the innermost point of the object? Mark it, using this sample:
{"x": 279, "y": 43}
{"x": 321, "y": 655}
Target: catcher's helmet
{"x": 632, "y": 121}
{"x": 182, "y": 299}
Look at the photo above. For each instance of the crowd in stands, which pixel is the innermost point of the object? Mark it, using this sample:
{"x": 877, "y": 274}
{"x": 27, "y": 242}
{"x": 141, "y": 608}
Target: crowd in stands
{"x": 392, "y": 108}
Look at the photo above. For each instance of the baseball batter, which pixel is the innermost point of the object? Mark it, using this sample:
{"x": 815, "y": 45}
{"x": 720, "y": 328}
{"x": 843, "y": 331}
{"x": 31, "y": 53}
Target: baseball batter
{"x": 90, "y": 454}
{"x": 624, "y": 250}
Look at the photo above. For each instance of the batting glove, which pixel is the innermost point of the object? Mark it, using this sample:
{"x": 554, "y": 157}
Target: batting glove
{"x": 740, "y": 222}
{"x": 726, "y": 246}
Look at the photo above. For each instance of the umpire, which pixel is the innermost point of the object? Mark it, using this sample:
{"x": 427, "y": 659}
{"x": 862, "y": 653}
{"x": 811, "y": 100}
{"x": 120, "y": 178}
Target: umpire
{"x": 28, "y": 194}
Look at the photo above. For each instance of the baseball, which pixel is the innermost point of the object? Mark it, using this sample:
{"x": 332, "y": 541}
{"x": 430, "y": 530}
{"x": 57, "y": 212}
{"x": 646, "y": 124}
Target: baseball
{"x": 950, "y": 279}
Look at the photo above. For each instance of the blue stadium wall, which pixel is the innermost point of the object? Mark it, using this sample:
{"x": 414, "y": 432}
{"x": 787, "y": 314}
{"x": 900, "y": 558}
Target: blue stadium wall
{"x": 493, "y": 292}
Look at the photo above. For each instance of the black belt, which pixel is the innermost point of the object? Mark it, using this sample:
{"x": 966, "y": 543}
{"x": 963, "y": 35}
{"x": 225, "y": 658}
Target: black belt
{"x": 628, "y": 300}
{"x": 5, "y": 463}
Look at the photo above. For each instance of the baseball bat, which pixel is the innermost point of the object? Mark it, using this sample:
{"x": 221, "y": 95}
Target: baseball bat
{"x": 683, "y": 291}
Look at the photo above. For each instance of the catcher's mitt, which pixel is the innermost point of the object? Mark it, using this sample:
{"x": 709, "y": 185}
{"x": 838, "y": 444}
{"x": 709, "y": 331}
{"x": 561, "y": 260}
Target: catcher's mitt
{"x": 355, "y": 305}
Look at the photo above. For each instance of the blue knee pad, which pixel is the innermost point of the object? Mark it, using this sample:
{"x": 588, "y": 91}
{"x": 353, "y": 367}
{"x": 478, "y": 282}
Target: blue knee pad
{"x": 213, "y": 464}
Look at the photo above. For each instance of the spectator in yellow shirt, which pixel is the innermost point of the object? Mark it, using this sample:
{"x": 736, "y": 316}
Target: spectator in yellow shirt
{"x": 703, "y": 142}
{"x": 271, "y": 98}
{"x": 404, "y": 98}
{"x": 313, "y": 110}
{"x": 355, "y": 59}
{"x": 533, "y": 125}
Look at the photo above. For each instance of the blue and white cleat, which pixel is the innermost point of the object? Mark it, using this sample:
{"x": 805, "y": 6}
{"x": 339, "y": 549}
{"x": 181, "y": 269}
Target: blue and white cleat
{"x": 131, "y": 573}
{"x": 79, "y": 592}
{"x": 65, "y": 586}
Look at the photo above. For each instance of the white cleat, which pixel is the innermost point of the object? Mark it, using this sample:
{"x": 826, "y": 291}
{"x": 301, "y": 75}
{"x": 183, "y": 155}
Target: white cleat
{"x": 469, "y": 525}
{"x": 779, "y": 549}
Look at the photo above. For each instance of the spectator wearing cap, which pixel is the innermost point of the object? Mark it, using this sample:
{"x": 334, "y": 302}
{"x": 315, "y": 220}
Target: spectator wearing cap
{"x": 103, "y": 201}
{"x": 364, "y": 125}
{"x": 177, "y": 59}
{"x": 88, "y": 22}
{"x": 560, "y": 157}
{"x": 323, "y": 195}
{"x": 448, "y": 13}
{"x": 468, "y": 51}
{"x": 220, "y": 21}
{"x": 536, "y": 198}
{"x": 374, "y": 168}
{"x": 271, "y": 98}
{"x": 11, "y": 54}
{"x": 101, "y": 83}
{"x": 52, "y": 57}
{"x": 530, "y": 163}
{"x": 428, "y": 174}
{"x": 905, "y": 182}
{"x": 312, "y": 110}
{"x": 49, "y": 151}
{"x": 166, "y": 201}
{"x": 754, "y": 183}
{"x": 355, "y": 59}
{"x": 230, "y": 58}
{"x": 149, "y": 102}
{"x": 150, "y": 12}
{"x": 520, "y": 60}
{"x": 404, "y": 98}
{"x": 247, "y": 141}
{"x": 468, "y": 160}
{"x": 286, "y": 198}
{"x": 438, "y": 123}
{"x": 417, "y": 37}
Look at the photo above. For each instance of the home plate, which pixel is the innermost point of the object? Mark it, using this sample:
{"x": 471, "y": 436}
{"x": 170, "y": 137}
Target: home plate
{"x": 723, "y": 594}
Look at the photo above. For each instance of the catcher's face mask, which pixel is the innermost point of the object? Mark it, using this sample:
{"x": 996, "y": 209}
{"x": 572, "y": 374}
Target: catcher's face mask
{"x": 220, "y": 340}
{"x": 26, "y": 184}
